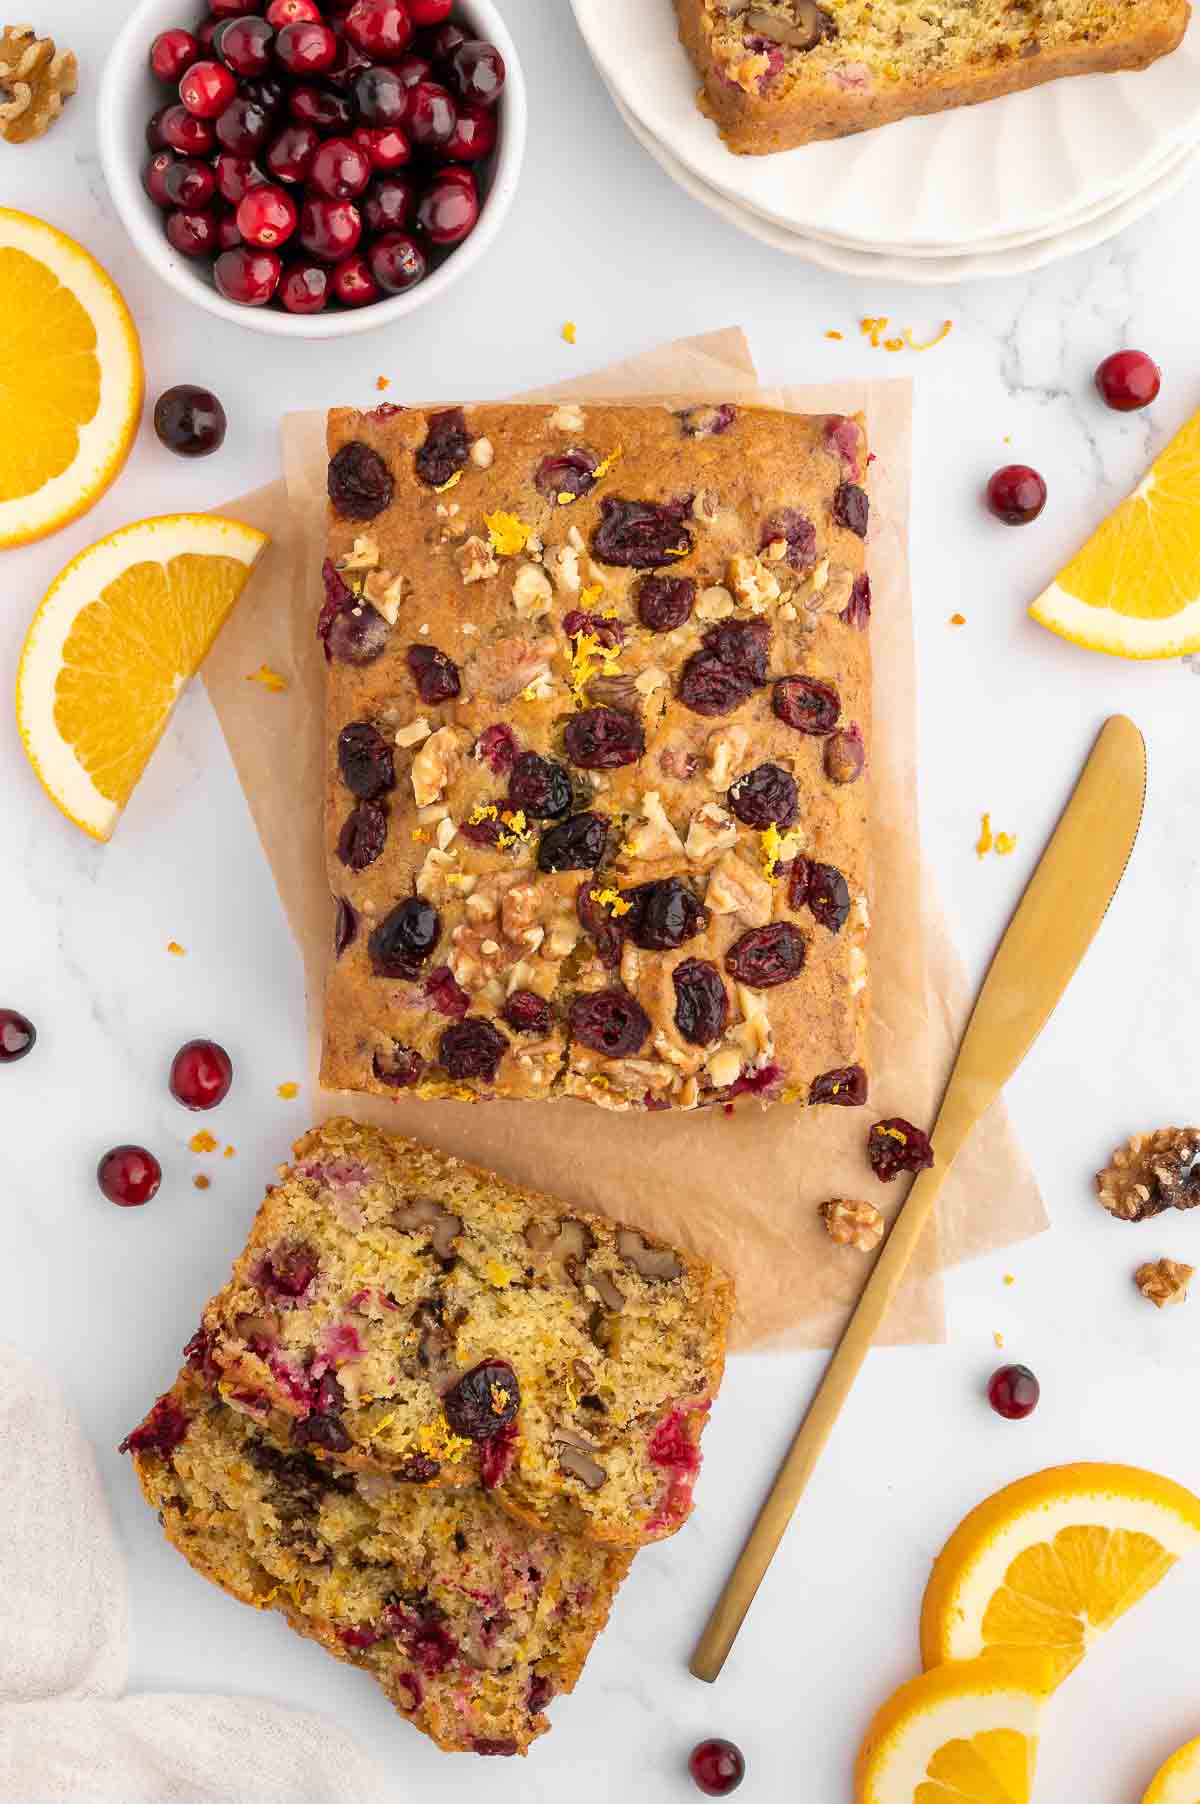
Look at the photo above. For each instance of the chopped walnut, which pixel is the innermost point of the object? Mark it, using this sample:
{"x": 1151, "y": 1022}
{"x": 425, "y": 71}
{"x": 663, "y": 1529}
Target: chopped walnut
{"x": 835, "y": 593}
{"x": 564, "y": 566}
{"x": 724, "y": 1067}
{"x": 475, "y": 957}
{"x": 413, "y": 733}
{"x": 567, "y": 418}
{"x": 752, "y": 583}
{"x": 653, "y": 836}
{"x": 853, "y": 1224}
{"x": 476, "y": 560}
{"x": 385, "y": 592}
{"x": 1163, "y": 1282}
{"x": 504, "y": 668}
{"x": 714, "y": 603}
{"x": 650, "y": 679}
{"x": 531, "y": 591}
{"x": 519, "y": 909}
{"x": 736, "y": 888}
{"x": 753, "y": 1034}
{"x": 363, "y": 556}
{"x": 711, "y": 831}
{"x": 35, "y": 80}
{"x": 706, "y": 505}
{"x": 1152, "y": 1172}
{"x": 431, "y": 881}
{"x": 727, "y": 749}
{"x": 435, "y": 764}
{"x": 483, "y": 455}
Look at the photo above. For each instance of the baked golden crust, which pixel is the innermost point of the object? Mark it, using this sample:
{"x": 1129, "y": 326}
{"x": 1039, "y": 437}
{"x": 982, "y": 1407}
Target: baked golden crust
{"x": 514, "y": 568}
{"x": 470, "y": 1622}
{"x": 758, "y": 113}
{"x": 378, "y": 1274}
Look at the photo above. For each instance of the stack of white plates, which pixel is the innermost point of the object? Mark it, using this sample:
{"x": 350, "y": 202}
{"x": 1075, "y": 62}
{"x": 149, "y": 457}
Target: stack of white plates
{"x": 996, "y": 189}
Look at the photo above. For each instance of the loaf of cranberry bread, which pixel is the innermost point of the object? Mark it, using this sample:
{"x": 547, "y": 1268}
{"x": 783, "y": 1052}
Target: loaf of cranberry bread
{"x": 778, "y": 73}
{"x": 470, "y": 1621}
{"x": 402, "y": 1312}
{"x": 598, "y": 697}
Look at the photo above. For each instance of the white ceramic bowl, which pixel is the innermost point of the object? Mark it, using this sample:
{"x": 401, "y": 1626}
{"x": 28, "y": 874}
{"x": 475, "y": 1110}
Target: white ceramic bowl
{"x": 129, "y": 94}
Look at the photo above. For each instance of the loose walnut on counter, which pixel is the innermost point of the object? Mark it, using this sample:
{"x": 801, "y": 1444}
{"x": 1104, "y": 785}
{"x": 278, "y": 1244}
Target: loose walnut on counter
{"x": 1152, "y": 1172}
{"x": 1163, "y": 1281}
{"x": 853, "y": 1224}
{"x": 35, "y": 80}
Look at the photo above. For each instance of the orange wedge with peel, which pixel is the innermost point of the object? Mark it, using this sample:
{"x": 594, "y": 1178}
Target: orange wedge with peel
{"x": 963, "y": 1733}
{"x": 71, "y": 383}
{"x": 116, "y": 638}
{"x": 1134, "y": 589}
{"x": 1177, "y": 1781}
{"x": 1049, "y": 1563}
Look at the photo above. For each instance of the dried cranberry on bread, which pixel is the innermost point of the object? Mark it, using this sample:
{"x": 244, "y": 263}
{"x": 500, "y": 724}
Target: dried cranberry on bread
{"x": 398, "y": 1311}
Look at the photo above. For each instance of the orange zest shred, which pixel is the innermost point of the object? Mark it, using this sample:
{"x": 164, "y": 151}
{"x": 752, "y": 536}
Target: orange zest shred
{"x": 984, "y": 843}
{"x": 610, "y": 899}
{"x": 946, "y": 329}
{"x": 893, "y": 344}
{"x": 270, "y": 679}
{"x": 873, "y": 330}
{"x": 200, "y": 1181}
{"x": 568, "y": 331}
{"x": 203, "y": 1142}
{"x": 1006, "y": 843}
{"x": 382, "y": 382}
{"x": 287, "y": 1091}
{"x": 1008, "y": 1278}
{"x": 229, "y": 1152}
{"x": 958, "y": 620}
{"x": 998, "y": 1337}
{"x": 176, "y": 950}
{"x": 833, "y": 334}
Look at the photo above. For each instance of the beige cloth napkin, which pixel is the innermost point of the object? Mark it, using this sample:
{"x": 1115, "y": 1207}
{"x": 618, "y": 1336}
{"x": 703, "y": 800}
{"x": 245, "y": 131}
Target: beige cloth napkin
{"x": 742, "y": 1188}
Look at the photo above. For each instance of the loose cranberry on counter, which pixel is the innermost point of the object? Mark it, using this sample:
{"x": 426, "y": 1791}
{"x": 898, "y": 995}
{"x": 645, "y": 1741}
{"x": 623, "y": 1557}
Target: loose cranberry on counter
{"x": 449, "y": 208}
{"x": 129, "y": 1176}
{"x": 1016, "y": 494}
{"x": 189, "y": 421}
{"x": 266, "y": 217}
{"x": 307, "y": 48}
{"x": 201, "y": 1073}
{"x": 249, "y": 277}
{"x": 1128, "y": 380}
{"x": 305, "y": 287}
{"x": 172, "y": 52}
{"x": 17, "y": 1036}
{"x": 206, "y": 89}
{"x": 717, "y": 1767}
{"x": 1013, "y": 1392}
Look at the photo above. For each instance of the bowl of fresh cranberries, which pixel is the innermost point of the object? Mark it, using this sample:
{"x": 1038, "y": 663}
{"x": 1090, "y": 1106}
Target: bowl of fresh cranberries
{"x": 311, "y": 168}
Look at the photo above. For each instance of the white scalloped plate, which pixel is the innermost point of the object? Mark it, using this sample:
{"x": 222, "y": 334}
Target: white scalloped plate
{"x": 1020, "y": 259}
{"x": 1015, "y": 167}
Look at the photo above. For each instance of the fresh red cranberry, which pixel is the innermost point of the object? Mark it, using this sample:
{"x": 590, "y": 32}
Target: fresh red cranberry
{"x": 397, "y": 262}
{"x": 381, "y": 96}
{"x": 129, "y": 1176}
{"x": 348, "y": 65}
{"x": 329, "y": 229}
{"x": 413, "y": 68}
{"x": 307, "y": 48}
{"x": 267, "y": 91}
{"x": 247, "y": 276}
{"x": 182, "y": 131}
{"x": 17, "y": 1036}
{"x": 442, "y": 43}
{"x": 245, "y": 44}
{"x": 380, "y": 28}
{"x": 189, "y": 421}
{"x": 244, "y": 127}
{"x": 201, "y": 1073}
{"x": 154, "y": 125}
{"x": 384, "y": 146}
{"x": 290, "y": 155}
{"x": 267, "y": 217}
{"x": 221, "y": 10}
{"x": 205, "y": 33}
{"x": 154, "y": 177}
{"x": 429, "y": 12}
{"x": 228, "y": 236}
{"x": 236, "y": 176}
{"x": 1013, "y": 1392}
{"x": 474, "y": 135}
{"x": 172, "y": 52}
{"x": 292, "y": 12}
{"x": 353, "y": 283}
{"x": 321, "y": 108}
{"x": 717, "y": 1767}
{"x": 1016, "y": 494}
{"x": 305, "y": 287}
{"x": 340, "y": 170}
{"x": 206, "y": 89}
{"x": 189, "y": 183}
{"x": 389, "y": 203}
{"x": 1128, "y": 380}
{"x": 448, "y": 209}
{"x": 431, "y": 115}
{"x": 477, "y": 71}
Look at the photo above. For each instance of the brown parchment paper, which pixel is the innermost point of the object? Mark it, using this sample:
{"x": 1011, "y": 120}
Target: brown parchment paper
{"x": 741, "y": 1188}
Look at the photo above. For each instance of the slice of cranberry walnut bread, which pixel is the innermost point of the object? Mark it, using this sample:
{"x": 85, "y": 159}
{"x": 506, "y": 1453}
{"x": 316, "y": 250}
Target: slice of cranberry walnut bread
{"x": 470, "y": 1621}
{"x": 400, "y": 1311}
{"x": 597, "y": 770}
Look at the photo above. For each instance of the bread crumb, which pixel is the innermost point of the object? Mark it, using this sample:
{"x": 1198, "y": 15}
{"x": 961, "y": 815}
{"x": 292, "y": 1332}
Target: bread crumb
{"x": 985, "y": 842}
{"x": 200, "y": 1181}
{"x": 229, "y": 1152}
{"x": 203, "y": 1142}
{"x": 287, "y": 1091}
{"x": 568, "y": 331}
{"x": 270, "y": 679}
{"x": 958, "y": 620}
{"x": 176, "y": 950}
{"x": 382, "y": 382}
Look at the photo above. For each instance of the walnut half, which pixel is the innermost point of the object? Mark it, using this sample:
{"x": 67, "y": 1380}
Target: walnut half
{"x": 852, "y": 1224}
{"x": 1163, "y": 1281}
{"x": 1152, "y": 1172}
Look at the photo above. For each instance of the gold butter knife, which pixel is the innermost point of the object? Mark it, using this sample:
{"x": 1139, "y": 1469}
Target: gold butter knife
{"x": 1065, "y": 901}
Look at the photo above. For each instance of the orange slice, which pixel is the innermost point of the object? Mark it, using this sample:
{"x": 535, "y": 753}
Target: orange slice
{"x": 1051, "y": 1562}
{"x": 965, "y": 1733}
{"x": 1134, "y": 589}
{"x": 1178, "y": 1781}
{"x": 112, "y": 645}
{"x": 71, "y": 382}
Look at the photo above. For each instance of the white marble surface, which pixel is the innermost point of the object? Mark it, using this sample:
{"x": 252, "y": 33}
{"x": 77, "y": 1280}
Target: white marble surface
{"x": 105, "y": 1298}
